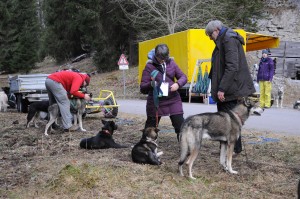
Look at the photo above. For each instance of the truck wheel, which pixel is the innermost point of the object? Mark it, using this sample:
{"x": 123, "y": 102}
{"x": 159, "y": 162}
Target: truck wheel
{"x": 110, "y": 112}
{"x": 22, "y": 104}
{"x": 296, "y": 105}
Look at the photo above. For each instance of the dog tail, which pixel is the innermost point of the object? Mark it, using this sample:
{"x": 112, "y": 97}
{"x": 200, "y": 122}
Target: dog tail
{"x": 184, "y": 149}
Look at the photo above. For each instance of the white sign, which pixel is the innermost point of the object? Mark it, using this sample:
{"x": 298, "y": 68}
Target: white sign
{"x": 123, "y": 63}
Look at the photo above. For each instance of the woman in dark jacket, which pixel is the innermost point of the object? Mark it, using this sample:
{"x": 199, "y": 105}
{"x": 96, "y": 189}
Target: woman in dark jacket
{"x": 164, "y": 77}
{"x": 230, "y": 75}
{"x": 264, "y": 77}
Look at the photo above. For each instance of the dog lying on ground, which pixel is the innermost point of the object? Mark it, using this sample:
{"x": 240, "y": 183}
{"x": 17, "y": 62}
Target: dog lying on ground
{"x": 145, "y": 151}
{"x": 104, "y": 138}
{"x": 35, "y": 109}
{"x": 3, "y": 101}
{"x": 77, "y": 109}
{"x": 220, "y": 126}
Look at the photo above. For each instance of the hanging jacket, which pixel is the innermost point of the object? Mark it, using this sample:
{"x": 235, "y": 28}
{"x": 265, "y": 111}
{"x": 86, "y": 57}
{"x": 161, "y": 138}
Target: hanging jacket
{"x": 265, "y": 70}
{"x": 229, "y": 72}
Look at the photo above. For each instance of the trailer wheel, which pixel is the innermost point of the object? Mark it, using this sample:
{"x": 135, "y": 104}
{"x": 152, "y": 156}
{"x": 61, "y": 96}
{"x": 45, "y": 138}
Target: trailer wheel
{"x": 110, "y": 112}
{"x": 22, "y": 104}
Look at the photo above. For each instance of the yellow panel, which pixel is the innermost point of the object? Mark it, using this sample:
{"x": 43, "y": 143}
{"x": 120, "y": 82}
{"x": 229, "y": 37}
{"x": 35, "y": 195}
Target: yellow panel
{"x": 188, "y": 46}
{"x": 177, "y": 44}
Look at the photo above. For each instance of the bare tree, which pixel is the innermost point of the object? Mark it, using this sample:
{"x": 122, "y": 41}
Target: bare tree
{"x": 169, "y": 16}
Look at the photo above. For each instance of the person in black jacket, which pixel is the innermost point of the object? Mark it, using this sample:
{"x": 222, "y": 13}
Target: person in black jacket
{"x": 229, "y": 74}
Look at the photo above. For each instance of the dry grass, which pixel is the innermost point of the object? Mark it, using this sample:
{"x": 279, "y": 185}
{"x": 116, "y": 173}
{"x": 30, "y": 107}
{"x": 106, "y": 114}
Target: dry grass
{"x": 35, "y": 166}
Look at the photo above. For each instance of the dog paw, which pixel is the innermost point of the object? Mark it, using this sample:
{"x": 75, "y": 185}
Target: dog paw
{"x": 159, "y": 154}
{"x": 192, "y": 178}
{"x": 232, "y": 171}
{"x": 46, "y": 134}
{"x": 83, "y": 130}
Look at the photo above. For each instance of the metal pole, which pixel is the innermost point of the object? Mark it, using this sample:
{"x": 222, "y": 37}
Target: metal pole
{"x": 124, "y": 83}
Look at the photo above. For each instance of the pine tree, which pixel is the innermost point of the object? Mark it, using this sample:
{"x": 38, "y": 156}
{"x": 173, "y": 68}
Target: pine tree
{"x": 19, "y": 32}
{"x": 71, "y": 27}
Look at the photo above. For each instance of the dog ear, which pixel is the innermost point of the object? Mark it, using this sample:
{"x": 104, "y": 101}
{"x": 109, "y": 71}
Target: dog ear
{"x": 157, "y": 130}
{"x": 103, "y": 122}
{"x": 248, "y": 102}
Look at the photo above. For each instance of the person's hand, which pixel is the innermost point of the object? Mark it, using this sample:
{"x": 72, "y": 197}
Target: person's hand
{"x": 221, "y": 96}
{"x": 174, "y": 87}
{"x": 87, "y": 97}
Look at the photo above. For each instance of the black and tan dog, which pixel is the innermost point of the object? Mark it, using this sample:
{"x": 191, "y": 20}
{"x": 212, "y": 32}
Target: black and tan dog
{"x": 104, "y": 139}
{"x": 35, "y": 109}
{"x": 145, "y": 151}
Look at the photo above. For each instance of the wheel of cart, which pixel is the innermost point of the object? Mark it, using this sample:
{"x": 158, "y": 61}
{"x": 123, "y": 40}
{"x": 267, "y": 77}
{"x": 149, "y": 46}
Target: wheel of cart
{"x": 296, "y": 104}
{"x": 105, "y": 103}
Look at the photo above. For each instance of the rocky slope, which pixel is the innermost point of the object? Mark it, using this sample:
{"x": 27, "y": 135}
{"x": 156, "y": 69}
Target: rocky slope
{"x": 282, "y": 20}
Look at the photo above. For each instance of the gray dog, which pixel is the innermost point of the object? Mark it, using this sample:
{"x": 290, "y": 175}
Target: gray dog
{"x": 220, "y": 126}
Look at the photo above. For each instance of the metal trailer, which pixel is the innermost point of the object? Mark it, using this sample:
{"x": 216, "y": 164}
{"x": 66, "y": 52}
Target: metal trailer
{"x": 28, "y": 89}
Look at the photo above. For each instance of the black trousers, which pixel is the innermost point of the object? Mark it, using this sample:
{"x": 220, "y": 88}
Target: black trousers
{"x": 176, "y": 120}
{"x": 226, "y": 106}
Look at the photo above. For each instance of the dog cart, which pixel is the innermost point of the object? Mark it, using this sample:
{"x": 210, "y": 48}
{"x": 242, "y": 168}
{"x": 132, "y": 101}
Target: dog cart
{"x": 296, "y": 104}
{"x": 105, "y": 103}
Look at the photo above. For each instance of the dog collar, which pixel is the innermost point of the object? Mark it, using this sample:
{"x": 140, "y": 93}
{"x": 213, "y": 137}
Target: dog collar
{"x": 106, "y": 131}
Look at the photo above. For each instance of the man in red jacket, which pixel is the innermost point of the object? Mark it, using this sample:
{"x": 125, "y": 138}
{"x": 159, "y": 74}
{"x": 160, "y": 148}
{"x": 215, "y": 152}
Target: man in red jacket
{"x": 60, "y": 85}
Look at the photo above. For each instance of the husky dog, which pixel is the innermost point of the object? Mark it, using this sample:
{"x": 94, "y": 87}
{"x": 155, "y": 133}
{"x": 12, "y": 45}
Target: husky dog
{"x": 220, "y": 126}
{"x": 104, "y": 139}
{"x": 3, "y": 101}
{"x": 77, "y": 109}
{"x": 35, "y": 109}
{"x": 145, "y": 151}
{"x": 278, "y": 94}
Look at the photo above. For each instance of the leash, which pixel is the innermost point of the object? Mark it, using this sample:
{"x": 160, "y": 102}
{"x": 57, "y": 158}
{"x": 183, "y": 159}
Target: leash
{"x": 156, "y": 94}
{"x": 247, "y": 160}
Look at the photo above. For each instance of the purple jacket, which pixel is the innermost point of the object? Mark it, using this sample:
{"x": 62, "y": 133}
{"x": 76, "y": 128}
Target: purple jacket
{"x": 172, "y": 104}
{"x": 265, "y": 70}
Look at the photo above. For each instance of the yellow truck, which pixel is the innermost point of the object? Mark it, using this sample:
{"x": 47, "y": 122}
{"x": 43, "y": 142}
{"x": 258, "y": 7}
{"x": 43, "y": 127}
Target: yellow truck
{"x": 192, "y": 48}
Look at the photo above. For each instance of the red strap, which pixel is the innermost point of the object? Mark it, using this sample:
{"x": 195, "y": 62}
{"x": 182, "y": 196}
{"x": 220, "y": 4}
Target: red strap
{"x": 156, "y": 118}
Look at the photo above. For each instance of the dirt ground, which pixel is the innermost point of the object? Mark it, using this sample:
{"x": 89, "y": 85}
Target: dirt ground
{"x": 35, "y": 166}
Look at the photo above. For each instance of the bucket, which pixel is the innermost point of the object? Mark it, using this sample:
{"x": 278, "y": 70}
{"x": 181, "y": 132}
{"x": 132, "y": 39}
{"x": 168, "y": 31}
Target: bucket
{"x": 210, "y": 100}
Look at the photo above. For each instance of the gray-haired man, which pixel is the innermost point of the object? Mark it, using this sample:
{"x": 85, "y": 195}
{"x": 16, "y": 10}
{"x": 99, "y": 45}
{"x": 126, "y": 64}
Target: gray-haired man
{"x": 230, "y": 76}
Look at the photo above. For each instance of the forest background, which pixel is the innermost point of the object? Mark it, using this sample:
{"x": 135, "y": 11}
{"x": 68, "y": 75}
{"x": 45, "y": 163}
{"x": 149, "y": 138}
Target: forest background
{"x": 31, "y": 30}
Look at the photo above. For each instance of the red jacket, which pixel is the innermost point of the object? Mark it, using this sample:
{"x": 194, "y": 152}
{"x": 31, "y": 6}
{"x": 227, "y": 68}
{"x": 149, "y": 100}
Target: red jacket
{"x": 70, "y": 80}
